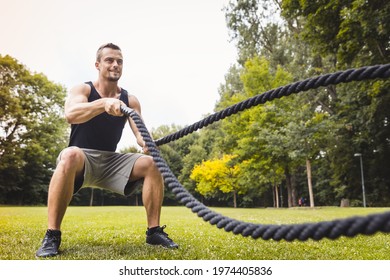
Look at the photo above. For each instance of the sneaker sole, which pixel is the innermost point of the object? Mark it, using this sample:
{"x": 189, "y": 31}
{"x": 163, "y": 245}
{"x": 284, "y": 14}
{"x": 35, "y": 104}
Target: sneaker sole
{"x": 164, "y": 247}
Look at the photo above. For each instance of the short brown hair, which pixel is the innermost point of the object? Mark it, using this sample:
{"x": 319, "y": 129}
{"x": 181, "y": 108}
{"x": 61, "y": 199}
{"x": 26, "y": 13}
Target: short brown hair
{"x": 108, "y": 45}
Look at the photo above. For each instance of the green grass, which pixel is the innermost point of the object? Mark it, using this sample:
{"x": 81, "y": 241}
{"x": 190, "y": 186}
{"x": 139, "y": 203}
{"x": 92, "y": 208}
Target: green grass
{"x": 118, "y": 233}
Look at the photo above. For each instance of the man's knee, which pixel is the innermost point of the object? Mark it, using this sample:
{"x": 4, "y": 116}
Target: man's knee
{"x": 72, "y": 157}
{"x": 146, "y": 165}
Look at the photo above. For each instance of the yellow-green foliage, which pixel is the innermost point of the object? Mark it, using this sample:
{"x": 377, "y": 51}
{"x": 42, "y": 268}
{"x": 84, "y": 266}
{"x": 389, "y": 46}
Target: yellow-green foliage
{"x": 216, "y": 174}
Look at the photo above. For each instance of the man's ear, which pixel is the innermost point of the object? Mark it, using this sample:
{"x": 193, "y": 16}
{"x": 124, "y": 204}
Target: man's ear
{"x": 97, "y": 65}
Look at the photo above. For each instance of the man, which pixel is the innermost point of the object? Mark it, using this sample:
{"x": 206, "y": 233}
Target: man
{"x": 93, "y": 110}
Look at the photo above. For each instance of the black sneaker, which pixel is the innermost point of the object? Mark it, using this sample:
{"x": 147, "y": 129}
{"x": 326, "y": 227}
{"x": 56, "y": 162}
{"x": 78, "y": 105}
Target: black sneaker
{"x": 50, "y": 244}
{"x": 159, "y": 237}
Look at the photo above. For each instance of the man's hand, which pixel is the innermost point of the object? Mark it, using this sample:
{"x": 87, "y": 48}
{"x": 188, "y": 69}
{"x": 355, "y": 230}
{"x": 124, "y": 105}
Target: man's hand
{"x": 145, "y": 150}
{"x": 113, "y": 106}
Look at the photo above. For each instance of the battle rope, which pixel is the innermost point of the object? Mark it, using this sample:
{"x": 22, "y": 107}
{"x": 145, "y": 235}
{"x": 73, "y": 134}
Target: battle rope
{"x": 364, "y": 73}
{"x": 331, "y": 229}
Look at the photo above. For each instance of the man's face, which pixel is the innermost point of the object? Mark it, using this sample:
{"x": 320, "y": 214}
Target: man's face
{"x": 110, "y": 64}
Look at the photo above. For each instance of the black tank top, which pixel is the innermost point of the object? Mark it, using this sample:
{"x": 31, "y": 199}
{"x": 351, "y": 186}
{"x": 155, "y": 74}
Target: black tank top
{"x": 102, "y": 132}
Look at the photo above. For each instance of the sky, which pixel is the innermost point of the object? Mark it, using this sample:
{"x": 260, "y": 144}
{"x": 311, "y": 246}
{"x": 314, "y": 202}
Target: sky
{"x": 176, "y": 52}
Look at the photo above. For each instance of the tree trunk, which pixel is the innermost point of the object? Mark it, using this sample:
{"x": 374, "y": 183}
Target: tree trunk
{"x": 276, "y": 196}
{"x": 91, "y": 199}
{"x": 308, "y": 169}
{"x": 235, "y": 199}
{"x": 288, "y": 187}
{"x": 281, "y": 196}
{"x": 294, "y": 196}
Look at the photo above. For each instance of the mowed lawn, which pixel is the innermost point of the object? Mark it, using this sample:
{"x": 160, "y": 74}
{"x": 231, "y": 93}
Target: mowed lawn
{"x": 118, "y": 233}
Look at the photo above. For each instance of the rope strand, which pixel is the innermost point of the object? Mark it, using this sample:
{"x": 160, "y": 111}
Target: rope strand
{"x": 329, "y": 229}
{"x": 364, "y": 73}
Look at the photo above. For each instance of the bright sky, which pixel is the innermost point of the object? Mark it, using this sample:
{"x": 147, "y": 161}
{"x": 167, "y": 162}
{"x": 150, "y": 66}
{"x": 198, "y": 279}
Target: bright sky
{"x": 176, "y": 52}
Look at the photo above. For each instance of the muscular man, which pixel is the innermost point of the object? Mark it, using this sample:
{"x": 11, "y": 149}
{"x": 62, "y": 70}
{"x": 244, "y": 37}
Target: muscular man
{"x": 93, "y": 110}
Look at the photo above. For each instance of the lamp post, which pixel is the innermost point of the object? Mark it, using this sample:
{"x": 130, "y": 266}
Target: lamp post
{"x": 361, "y": 171}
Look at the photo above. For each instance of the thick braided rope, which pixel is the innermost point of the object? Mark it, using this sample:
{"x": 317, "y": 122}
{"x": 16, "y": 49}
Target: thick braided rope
{"x": 332, "y": 229}
{"x": 364, "y": 73}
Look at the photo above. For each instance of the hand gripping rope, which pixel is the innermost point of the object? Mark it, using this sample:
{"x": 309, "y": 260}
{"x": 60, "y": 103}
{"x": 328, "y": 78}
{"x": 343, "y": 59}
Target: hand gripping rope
{"x": 330, "y": 229}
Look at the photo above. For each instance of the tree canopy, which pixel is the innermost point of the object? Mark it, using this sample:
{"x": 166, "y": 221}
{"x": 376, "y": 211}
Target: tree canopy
{"x": 302, "y": 145}
{"x": 32, "y": 132}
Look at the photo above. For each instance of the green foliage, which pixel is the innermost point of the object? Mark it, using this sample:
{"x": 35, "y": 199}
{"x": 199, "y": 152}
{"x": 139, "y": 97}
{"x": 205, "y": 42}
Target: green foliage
{"x": 358, "y": 28}
{"x": 256, "y": 135}
{"x": 175, "y": 154}
{"x": 32, "y": 132}
{"x": 195, "y": 156}
{"x": 278, "y": 42}
{"x": 253, "y": 25}
{"x": 326, "y": 126}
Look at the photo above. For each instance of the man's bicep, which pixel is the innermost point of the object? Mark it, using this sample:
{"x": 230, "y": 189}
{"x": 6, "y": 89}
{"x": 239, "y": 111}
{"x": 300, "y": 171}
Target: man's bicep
{"x": 78, "y": 94}
{"x": 134, "y": 104}
{"x": 132, "y": 124}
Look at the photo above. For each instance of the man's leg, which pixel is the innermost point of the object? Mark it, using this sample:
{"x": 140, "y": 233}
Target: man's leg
{"x": 152, "y": 198}
{"x": 153, "y": 188}
{"x": 61, "y": 185}
{"x": 61, "y": 188}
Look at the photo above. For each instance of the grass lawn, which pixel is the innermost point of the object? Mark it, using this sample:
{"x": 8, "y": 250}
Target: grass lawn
{"x": 118, "y": 233}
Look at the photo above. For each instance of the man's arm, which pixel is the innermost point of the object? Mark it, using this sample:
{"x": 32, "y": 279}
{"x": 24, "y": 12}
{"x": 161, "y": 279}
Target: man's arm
{"x": 136, "y": 106}
{"x": 79, "y": 110}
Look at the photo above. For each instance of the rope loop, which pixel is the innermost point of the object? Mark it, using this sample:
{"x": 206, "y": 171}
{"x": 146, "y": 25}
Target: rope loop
{"x": 364, "y": 73}
{"x": 329, "y": 229}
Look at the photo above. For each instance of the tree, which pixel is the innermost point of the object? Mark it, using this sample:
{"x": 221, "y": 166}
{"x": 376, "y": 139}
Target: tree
{"x": 253, "y": 25}
{"x": 218, "y": 175}
{"x": 256, "y": 135}
{"x": 32, "y": 132}
{"x": 353, "y": 116}
{"x": 358, "y": 36}
{"x": 174, "y": 153}
{"x": 358, "y": 29}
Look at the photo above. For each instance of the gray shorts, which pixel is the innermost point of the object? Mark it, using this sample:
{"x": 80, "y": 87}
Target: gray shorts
{"x": 108, "y": 170}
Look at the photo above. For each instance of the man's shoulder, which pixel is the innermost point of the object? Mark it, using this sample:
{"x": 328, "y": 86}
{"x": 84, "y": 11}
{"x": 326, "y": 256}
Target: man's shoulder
{"x": 133, "y": 101}
{"x": 128, "y": 94}
{"x": 84, "y": 88}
